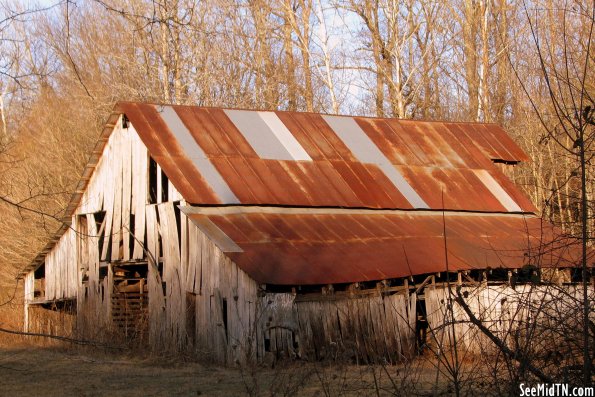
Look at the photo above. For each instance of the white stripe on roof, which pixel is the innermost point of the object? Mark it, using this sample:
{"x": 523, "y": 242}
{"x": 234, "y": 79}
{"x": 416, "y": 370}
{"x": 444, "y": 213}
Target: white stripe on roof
{"x": 267, "y": 135}
{"x": 366, "y": 151}
{"x": 494, "y": 187}
{"x": 198, "y": 156}
{"x": 284, "y": 136}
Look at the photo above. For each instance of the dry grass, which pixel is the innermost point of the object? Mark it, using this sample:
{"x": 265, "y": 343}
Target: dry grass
{"x": 11, "y": 316}
{"x": 28, "y": 369}
{"x": 33, "y": 371}
{"x": 54, "y": 372}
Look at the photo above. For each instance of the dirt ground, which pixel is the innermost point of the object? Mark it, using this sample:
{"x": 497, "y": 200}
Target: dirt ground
{"x": 26, "y": 369}
{"x": 34, "y": 371}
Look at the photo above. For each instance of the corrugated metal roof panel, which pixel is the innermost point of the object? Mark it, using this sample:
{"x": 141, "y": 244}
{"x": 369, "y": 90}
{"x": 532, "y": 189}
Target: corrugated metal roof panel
{"x": 494, "y": 141}
{"x": 286, "y": 138}
{"x": 303, "y": 159}
{"x": 194, "y": 152}
{"x": 390, "y": 141}
{"x": 497, "y": 190}
{"x": 215, "y": 133}
{"x": 427, "y": 143}
{"x": 356, "y": 139}
{"x": 167, "y": 151}
{"x": 367, "y": 151}
{"x": 517, "y": 195}
{"x": 450, "y": 185}
{"x": 259, "y": 134}
{"x": 392, "y": 164}
{"x": 319, "y": 246}
{"x": 320, "y": 134}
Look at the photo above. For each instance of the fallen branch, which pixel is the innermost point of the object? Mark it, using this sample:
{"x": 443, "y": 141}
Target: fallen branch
{"x": 75, "y": 341}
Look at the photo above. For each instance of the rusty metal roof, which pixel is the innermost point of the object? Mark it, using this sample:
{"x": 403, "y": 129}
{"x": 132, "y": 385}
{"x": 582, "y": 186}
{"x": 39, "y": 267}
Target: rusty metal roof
{"x": 226, "y": 156}
{"x": 303, "y": 198}
{"x": 297, "y": 246}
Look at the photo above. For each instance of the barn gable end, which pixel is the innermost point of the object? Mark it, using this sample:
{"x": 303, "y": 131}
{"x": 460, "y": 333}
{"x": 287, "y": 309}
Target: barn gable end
{"x": 127, "y": 264}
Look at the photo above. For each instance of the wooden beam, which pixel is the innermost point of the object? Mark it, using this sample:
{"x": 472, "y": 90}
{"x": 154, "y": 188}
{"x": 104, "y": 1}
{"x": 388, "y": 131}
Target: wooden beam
{"x": 422, "y": 285}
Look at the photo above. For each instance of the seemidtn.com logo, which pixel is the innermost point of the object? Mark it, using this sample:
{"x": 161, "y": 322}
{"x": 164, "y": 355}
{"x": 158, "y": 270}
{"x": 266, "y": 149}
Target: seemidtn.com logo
{"x": 555, "y": 389}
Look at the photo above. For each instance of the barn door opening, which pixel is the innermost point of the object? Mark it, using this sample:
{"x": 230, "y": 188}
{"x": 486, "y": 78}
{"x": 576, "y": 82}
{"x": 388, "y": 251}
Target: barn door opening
{"x": 130, "y": 298}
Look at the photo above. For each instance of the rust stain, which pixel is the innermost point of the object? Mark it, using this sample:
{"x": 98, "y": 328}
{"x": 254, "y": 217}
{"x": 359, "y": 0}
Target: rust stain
{"x": 165, "y": 149}
{"x": 432, "y": 156}
{"x": 319, "y": 248}
{"x": 303, "y": 249}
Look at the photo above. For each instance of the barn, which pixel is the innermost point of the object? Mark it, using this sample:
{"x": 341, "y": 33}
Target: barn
{"x": 237, "y": 234}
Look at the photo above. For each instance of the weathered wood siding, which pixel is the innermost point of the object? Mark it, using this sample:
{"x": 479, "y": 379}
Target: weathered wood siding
{"x": 199, "y": 300}
{"x": 118, "y": 187}
{"x": 110, "y": 226}
{"x": 364, "y": 329}
{"x": 511, "y": 314}
{"x": 209, "y": 304}
{"x": 61, "y": 268}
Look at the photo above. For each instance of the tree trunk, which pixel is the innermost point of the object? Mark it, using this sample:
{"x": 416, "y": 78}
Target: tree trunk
{"x": 470, "y": 57}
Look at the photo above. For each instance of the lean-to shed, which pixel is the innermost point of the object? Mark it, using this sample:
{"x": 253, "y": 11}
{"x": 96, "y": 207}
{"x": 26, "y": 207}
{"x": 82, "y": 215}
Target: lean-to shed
{"x": 233, "y": 233}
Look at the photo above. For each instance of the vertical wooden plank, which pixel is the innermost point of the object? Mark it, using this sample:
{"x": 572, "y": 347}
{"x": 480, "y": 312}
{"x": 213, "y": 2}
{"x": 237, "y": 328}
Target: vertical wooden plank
{"x": 172, "y": 274}
{"x": 379, "y": 325}
{"x": 140, "y": 177}
{"x": 260, "y": 327}
{"x": 109, "y": 288}
{"x": 214, "y": 271}
{"x": 154, "y": 283}
{"x": 172, "y": 193}
{"x": 251, "y": 307}
{"x": 29, "y": 285}
{"x": 49, "y": 269}
{"x": 184, "y": 258}
{"x": 82, "y": 229}
{"x": 237, "y": 310}
{"x": 344, "y": 324}
{"x": 250, "y": 304}
{"x": 108, "y": 202}
{"x": 208, "y": 325}
{"x": 205, "y": 270}
{"x": 241, "y": 311}
{"x": 126, "y": 161}
{"x": 65, "y": 265}
{"x": 134, "y": 172}
{"x": 117, "y": 214}
{"x": 193, "y": 257}
{"x": 368, "y": 331}
{"x": 73, "y": 264}
{"x": 92, "y": 249}
{"x": 69, "y": 266}
{"x": 391, "y": 308}
{"x": 204, "y": 289}
{"x": 55, "y": 271}
{"x": 357, "y": 330}
{"x": 29, "y": 296}
{"x": 436, "y": 308}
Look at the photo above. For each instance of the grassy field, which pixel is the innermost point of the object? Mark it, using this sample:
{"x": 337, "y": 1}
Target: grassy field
{"x": 27, "y": 369}
{"x": 56, "y": 372}
{"x": 34, "y": 371}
